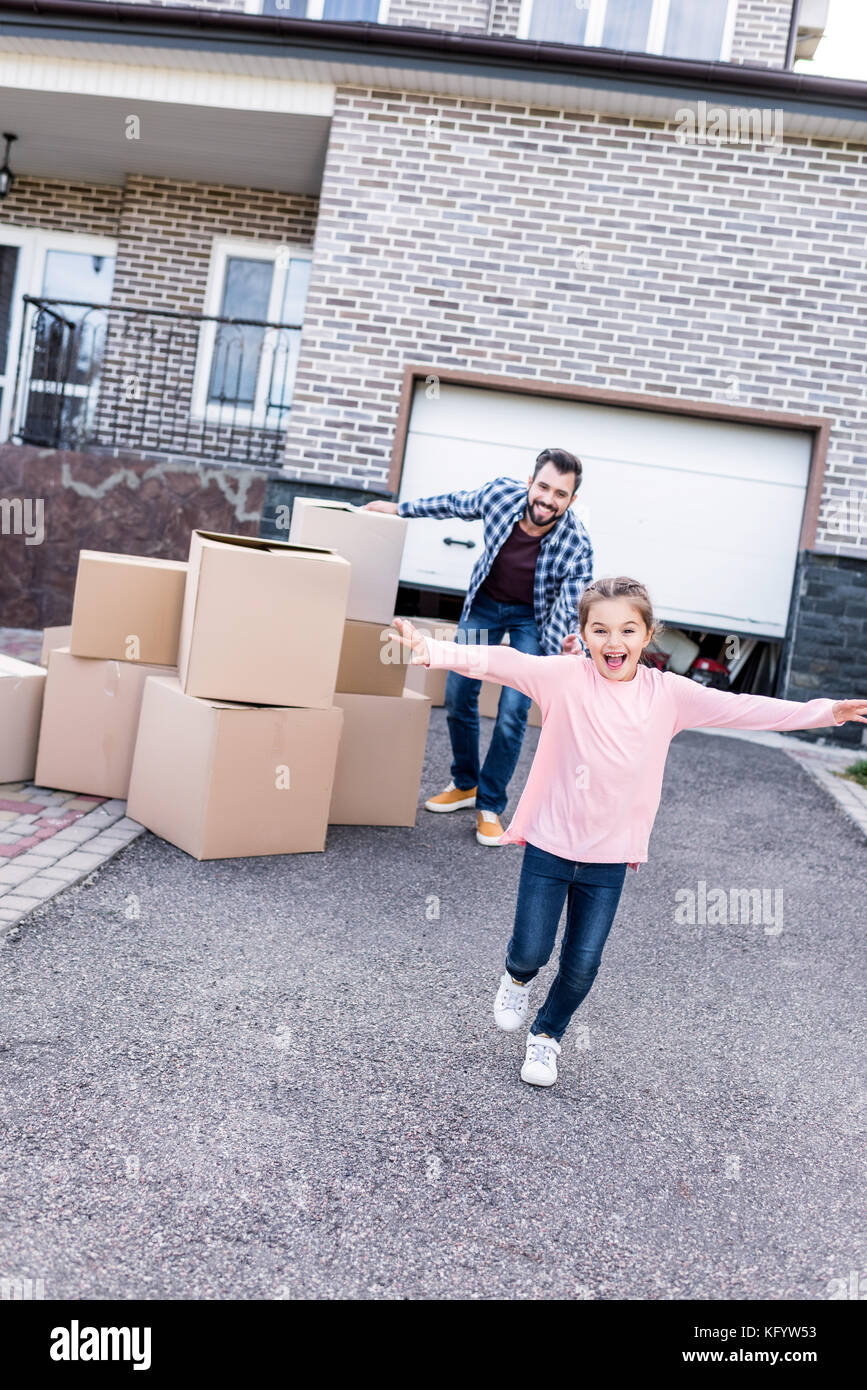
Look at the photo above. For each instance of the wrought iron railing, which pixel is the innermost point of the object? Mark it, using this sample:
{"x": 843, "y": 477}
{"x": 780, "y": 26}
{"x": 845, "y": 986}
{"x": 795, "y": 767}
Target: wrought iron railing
{"x": 157, "y": 382}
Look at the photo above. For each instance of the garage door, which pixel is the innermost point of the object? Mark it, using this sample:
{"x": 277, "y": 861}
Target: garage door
{"x": 706, "y": 513}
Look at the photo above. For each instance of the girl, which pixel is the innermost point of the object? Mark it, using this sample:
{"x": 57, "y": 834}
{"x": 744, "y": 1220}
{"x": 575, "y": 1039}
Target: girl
{"x": 588, "y": 808}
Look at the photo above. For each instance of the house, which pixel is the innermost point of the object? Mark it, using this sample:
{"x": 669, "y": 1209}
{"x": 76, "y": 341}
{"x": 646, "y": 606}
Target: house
{"x": 366, "y": 248}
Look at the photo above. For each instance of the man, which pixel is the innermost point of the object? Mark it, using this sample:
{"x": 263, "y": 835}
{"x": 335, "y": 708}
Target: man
{"x": 536, "y": 563}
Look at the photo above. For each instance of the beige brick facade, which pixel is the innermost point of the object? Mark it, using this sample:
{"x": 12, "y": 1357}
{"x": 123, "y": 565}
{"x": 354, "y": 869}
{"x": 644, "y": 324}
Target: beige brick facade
{"x": 529, "y": 242}
{"x": 441, "y": 14}
{"x": 540, "y": 243}
{"x": 526, "y": 242}
{"x": 550, "y": 245}
{"x": 55, "y": 206}
{"x": 166, "y": 231}
{"x": 761, "y": 32}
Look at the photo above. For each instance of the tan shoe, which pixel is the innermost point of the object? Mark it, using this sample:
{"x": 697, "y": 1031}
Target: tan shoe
{"x": 488, "y": 828}
{"x": 452, "y": 799}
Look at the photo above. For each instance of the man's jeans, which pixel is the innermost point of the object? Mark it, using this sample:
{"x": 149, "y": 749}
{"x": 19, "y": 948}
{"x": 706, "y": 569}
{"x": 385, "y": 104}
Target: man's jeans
{"x": 593, "y": 891}
{"x": 462, "y": 703}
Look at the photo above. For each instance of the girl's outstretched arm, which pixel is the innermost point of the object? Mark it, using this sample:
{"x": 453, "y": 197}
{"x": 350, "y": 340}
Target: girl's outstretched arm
{"x": 698, "y": 706}
{"x": 535, "y": 676}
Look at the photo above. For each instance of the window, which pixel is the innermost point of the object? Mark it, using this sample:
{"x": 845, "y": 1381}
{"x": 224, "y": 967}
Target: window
{"x": 72, "y": 276}
{"x": 560, "y": 20}
{"x": 694, "y": 31}
{"x": 371, "y": 11}
{"x": 56, "y": 265}
{"x": 245, "y": 372}
{"x": 627, "y": 24}
{"x": 676, "y": 28}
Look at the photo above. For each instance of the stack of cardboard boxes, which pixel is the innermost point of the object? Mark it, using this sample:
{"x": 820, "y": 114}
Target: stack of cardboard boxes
{"x": 125, "y": 622}
{"x": 235, "y": 754}
{"x": 240, "y": 701}
{"x": 247, "y": 698}
{"x": 385, "y": 726}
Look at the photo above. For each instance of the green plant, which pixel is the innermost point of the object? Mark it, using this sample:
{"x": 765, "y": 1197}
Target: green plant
{"x": 856, "y": 772}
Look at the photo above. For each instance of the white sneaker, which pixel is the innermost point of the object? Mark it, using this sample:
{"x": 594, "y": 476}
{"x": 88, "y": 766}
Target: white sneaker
{"x": 540, "y": 1063}
{"x": 511, "y": 1003}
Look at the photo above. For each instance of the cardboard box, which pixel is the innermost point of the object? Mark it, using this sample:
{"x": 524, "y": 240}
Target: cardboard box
{"x": 89, "y": 720}
{"x": 433, "y": 683}
{"x": 362, "y": 670}
{"x": 224, "y": 780}
{"x": 379, "y": 763}
{"x": 262, "y": 622}
{"x": 22, "y": 686}
{"x": 419, "y": 678}
{"x": 127, "y": 608}
{"x": 372, "y": 542}
{"x": 53, "y": 637}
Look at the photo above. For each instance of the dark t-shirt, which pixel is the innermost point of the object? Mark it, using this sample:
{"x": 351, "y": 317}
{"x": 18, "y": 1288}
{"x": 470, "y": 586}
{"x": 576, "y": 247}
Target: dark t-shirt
{"x": 513, "y": 572}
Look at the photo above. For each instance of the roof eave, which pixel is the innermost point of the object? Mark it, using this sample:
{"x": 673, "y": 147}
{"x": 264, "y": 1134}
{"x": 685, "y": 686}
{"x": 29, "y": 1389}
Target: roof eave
{"x": 391, "y": 45}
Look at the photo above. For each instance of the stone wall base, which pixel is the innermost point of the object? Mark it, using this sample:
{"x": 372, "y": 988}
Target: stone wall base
{"x": 827, "y": 645}
{"x": 102, "y": 502}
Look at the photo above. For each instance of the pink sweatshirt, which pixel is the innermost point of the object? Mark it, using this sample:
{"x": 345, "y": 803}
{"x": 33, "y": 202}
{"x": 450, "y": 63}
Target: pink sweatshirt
{"x": 596, "y": 780}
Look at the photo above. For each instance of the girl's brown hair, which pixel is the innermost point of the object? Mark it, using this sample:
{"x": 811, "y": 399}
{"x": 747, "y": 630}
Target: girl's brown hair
{"x": 620, "y": 587}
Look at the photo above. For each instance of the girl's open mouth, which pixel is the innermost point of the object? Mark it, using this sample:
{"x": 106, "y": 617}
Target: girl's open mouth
{"x": 614, "y": 660}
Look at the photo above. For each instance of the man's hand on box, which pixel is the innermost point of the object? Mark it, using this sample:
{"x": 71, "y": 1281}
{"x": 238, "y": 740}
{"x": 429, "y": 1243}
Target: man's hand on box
{"x": 380, "y": 506}
{"x": 410, "y": 636}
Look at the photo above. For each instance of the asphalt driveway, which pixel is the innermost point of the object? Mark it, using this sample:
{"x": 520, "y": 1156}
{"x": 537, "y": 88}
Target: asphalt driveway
{"x": 280, "y": 1077}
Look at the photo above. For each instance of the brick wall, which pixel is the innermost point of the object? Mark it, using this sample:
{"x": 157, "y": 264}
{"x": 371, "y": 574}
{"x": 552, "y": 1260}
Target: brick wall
{"x": 828, "y": 644}
{"x": 167, "y": 229}
{"x": 539, "y": 243}
{"x": 441, "y": 14}
{"x": 761, "y": 32}
{"x": 504, "y": 18}
{"x": 58, "y": 206}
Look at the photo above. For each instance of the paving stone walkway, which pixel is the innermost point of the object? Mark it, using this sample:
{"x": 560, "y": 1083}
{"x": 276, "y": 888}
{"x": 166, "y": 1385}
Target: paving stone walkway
{"x": 52, "y": 839}
{"x": 49, "y": 839}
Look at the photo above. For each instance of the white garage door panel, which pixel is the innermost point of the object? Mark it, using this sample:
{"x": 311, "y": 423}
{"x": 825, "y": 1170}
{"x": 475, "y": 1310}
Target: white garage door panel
{"x": 435, "y": 465}
{"x": 691, "y": 534}
{"x": 706, "y": 513}
{"x": 522, "y": 424}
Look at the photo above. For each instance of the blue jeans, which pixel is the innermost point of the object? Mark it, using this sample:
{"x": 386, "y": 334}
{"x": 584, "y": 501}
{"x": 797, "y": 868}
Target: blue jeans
{"x": 593, "y": 891}
{"x": 462, "y": 704}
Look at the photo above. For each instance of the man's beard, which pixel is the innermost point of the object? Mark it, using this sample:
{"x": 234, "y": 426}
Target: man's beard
{"x": 539, "y": 507}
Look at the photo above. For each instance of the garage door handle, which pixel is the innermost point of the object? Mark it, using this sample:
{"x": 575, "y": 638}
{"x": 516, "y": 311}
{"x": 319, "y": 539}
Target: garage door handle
{"x": 450, "y": 540}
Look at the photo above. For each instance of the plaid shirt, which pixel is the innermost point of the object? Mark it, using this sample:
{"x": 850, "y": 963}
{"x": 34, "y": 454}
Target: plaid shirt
{"x": 564, "y": 567}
